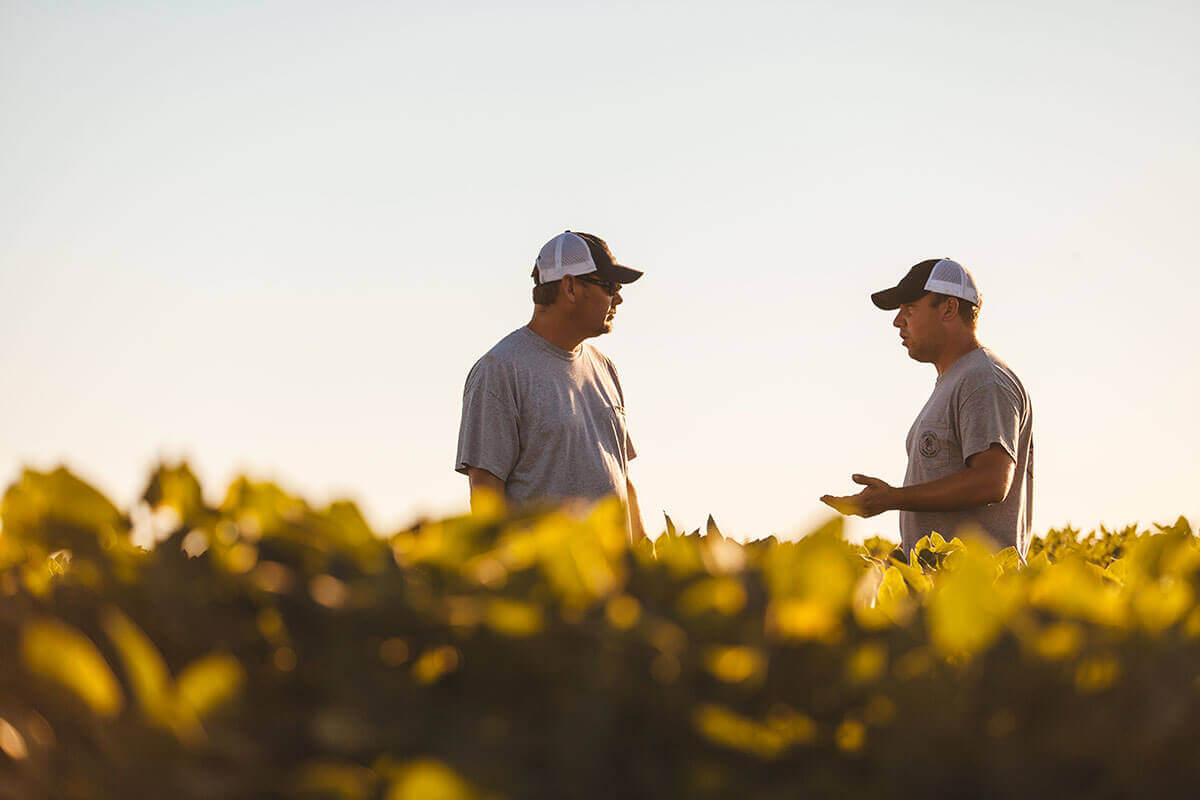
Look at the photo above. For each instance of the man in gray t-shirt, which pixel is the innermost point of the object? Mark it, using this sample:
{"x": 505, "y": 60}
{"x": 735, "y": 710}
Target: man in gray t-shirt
{"x": 543, "y": 417}
{"x": 970, "y": 450}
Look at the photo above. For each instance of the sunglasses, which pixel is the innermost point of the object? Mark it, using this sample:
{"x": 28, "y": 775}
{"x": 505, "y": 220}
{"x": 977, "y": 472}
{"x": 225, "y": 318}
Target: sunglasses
{"x": 610, "y": 287}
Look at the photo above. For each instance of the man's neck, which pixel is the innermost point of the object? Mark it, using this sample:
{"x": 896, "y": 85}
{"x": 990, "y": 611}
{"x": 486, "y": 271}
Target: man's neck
{"x": 555, "y": 332}
{"x": 955, "y": 351}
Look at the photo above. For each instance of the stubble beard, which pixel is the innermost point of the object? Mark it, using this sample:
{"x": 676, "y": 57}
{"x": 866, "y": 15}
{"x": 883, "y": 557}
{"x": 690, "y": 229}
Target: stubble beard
{"x": 606, "y": 325}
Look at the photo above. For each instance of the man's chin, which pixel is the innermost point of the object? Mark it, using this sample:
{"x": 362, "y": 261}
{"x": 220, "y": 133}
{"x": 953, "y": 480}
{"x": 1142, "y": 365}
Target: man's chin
{"x": 919, "y": 357}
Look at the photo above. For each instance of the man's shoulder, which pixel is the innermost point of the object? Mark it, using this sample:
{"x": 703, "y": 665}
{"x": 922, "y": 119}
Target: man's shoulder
{"x": 511, "y": 345}
{"x": 500, "y": 360}
{"x": 984, "y": 368}
{"x": 506, "y": 351}
{"x": 979, "y": 363}
{"x": 998, "y": 367}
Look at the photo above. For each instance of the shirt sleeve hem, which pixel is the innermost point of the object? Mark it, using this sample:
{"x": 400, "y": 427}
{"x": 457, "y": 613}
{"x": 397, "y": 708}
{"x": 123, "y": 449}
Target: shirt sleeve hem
{"x": 499, "y": 472}
{"x": 1011, "y": 451}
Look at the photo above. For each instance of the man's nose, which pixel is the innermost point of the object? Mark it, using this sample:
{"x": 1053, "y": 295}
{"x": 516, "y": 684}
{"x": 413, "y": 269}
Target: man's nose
{"x": 617, "y": 299}
{"x": 896, "y": 319}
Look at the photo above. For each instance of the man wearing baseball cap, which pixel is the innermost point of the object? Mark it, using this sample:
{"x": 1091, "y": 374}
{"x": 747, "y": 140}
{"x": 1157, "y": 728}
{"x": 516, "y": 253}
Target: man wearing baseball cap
{"x": 543, "y": 416}
{"x": 970, "y": 450}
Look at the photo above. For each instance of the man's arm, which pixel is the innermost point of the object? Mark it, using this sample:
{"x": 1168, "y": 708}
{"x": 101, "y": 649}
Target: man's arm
{"x": 636, "y": 528}
{"x": 480, "y": 480}
{"x": 986, "y": 479}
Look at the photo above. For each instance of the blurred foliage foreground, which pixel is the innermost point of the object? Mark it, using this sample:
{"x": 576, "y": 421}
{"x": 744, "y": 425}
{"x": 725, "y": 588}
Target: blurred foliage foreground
{"x": 268, "y": 649}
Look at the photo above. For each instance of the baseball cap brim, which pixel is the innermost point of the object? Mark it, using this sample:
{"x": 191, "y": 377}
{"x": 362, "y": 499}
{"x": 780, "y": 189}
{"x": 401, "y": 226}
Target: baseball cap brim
{"x": 606, "y": 267}
{"x": 893, "y": 298}
{"x": 910, "y": 289}
{"x": 617, "y": 273}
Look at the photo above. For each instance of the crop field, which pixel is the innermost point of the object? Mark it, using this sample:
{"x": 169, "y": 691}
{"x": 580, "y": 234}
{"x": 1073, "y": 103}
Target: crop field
{"x": 265, "y": 648}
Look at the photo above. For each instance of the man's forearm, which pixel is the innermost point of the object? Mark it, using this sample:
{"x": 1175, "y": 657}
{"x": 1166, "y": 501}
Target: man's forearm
{"x": 480, "y": 479}
{"x": 967, "y": 488}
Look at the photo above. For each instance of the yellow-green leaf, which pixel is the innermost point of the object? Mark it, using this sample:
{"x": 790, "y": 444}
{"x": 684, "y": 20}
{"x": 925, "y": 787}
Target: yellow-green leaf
{"x": 1008, "y": 560}
{"x": 914, "y": 576}
{"x": 736, "y": 664}
{"x": 63, "y": 654}
{"x": 426, "y": 779}
{"x": 144, "y": 665}
{"x": 1072, "y": 589}
{"x": 513, "y": 617}
{"x": 177, "y": 488}
{"x": 209, "y": 682}
{"x": 1162, "y": 603}
{"x": 893, "y": 598}
{"x": 867, "y": 663}
{"x": 40, "y": 497}
{"x": 723, "y": 595}
{"x": 729, "y": 729}
{"x": 966, "y": 610}
{"x": 817, "y": 573}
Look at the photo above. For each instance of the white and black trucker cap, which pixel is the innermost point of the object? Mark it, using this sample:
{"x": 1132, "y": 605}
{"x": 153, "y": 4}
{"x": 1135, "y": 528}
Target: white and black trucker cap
{"x": 939, "y": 275}
{"x": 574, "y": 253}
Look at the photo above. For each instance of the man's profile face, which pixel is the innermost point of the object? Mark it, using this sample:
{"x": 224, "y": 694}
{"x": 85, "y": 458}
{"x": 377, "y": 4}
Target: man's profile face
{"x": 921, "y": 330}
{"x": 597, "y": 307}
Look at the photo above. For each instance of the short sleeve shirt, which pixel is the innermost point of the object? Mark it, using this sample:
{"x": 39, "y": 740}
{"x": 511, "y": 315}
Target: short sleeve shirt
{"x": 548, "y": 422}
{"x": 977, "y": 402}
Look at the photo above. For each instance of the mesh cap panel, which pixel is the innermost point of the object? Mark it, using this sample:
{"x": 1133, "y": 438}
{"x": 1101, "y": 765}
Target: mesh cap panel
{"x": 951, "y": 278}
{"x": 948, "y": 271}
{"x": 573, "y": 254}
{"x": 565, "y": 254}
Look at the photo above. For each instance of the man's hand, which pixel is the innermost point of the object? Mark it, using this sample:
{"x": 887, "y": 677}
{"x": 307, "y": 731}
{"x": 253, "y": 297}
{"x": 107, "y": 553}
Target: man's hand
{"x": 986, "y": 479}
{"x": 875, "y": 499}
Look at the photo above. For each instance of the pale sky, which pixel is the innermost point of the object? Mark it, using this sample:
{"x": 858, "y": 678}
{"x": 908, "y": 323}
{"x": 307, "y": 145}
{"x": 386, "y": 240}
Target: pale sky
{"x": 274, "y": 237}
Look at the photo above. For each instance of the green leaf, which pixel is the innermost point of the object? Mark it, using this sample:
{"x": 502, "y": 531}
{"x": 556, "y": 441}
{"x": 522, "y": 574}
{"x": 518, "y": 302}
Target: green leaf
{"x": 513, "y": 617}
{"x": 680, "y": 554}
{"x": 263, "y": 504}
{"x": 941, "y": 546}
{"x": 966, "y": 609}
{"x": 144, "y": 665}
{"x": 57, "y": 651}
{"x": 711, "y": 527}
{"x": 1072, "y": 589}
{"x": 670, "y": 526}
{"x": 583, "y": 559}
{"x": 893, "y": 596}
{"x": 723, "y": 595}
{"x": 819, "y": 567}
{"x": 915, "y": 578}
{"x": 350, "y": 523}
{"x": 177, "y": 488}
{"x": 922, "y": 544}
{"x": 42, "y": 498}
{"x": 209, "y": 682}
{"x": 1008, "y": 560}
{"x": 426, "y": 779}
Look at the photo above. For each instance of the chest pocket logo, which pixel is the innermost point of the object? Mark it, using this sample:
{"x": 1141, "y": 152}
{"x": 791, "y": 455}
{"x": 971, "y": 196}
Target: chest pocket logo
{"x": 931, "y": 445}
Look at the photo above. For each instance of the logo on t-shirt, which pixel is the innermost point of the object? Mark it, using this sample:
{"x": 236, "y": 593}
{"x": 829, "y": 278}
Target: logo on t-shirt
{"x": 930, "y": 444}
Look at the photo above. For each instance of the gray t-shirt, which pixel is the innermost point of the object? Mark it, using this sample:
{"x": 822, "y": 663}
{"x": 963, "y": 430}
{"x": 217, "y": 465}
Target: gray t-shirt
{"x": 548, "y": 422}
{"x": 976, "y": 403}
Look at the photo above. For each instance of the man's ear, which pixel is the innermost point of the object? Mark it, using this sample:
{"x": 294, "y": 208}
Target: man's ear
{"x": 950, "y": 311}
{"x": 569, "y": 288}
